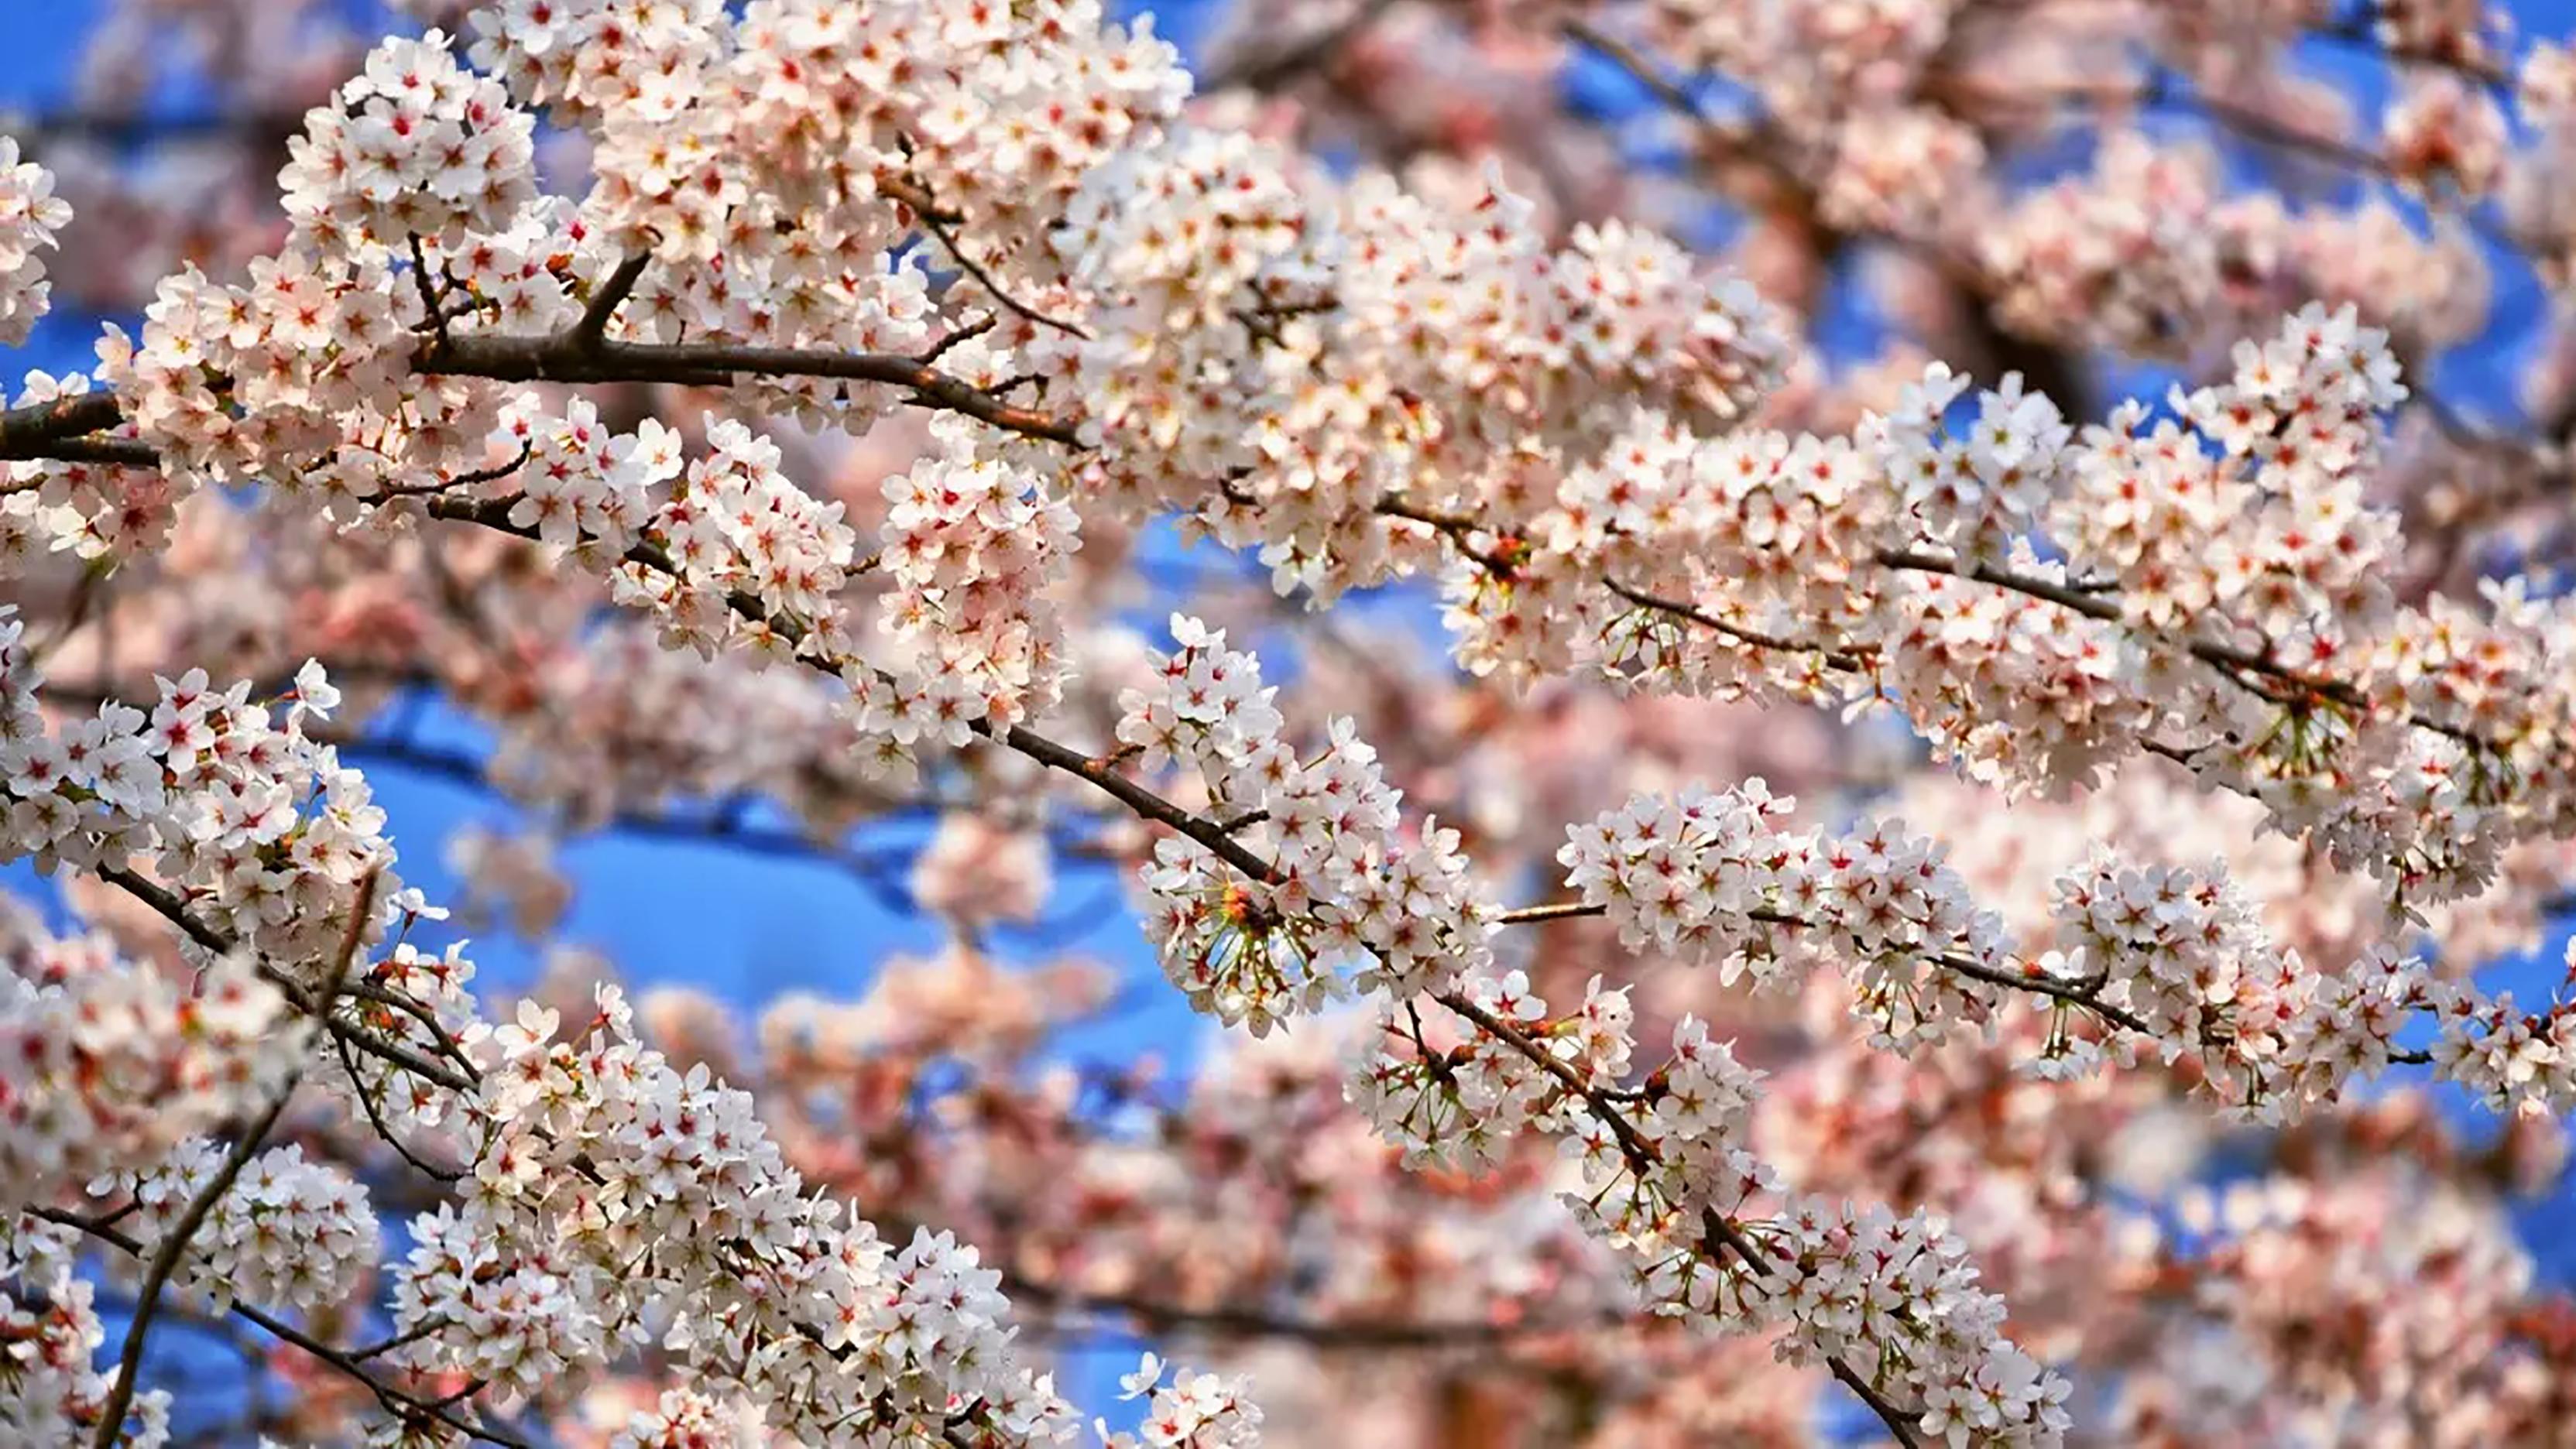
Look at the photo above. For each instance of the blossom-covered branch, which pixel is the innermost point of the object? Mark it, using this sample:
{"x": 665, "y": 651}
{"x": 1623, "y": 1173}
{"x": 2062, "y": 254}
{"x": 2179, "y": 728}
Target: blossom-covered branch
{"x": 834, "y": 214}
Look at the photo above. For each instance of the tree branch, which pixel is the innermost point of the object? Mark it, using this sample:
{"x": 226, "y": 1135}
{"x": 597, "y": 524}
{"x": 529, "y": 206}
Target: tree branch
{"x": 550, "y": 359}
{"x": 394, "y": 1400}
{"x": 60, "y": 429}
{"x": 1642, "y": 1157}
{"x": 592, "y": 329}
{"x": 171, "y": 908}
{"x": 166, "y": 1255}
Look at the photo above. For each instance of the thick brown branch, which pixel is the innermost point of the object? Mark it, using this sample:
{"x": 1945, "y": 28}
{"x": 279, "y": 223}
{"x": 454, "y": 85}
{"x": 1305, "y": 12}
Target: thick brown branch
{"x": 30, "y": 431}
{"x": 123, "y": 452}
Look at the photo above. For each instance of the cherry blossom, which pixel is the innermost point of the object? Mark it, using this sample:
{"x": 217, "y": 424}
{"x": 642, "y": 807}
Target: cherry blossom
{"x": 765, "y": 407}
{"x": 31, "y": 216}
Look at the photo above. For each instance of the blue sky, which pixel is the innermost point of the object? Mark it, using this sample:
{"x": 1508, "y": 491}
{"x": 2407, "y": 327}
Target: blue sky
{"x": 747, "y": 927}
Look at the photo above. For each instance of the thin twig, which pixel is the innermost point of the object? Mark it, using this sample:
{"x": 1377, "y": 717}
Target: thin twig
{"x": 939, "y": 349}
{"x": 166, "y": 1255}
{"x": 2107, "y": 608}
{"x": 426, "y": 1328}
{"x": 474, "y": 479}
{"x": 972, "y": 268}
{"x": 1556, "y": 911}
{"x": 550, "y": 359}
{"x": 394, "y": 1400}
{"x": 165, "y": 1259}
{"x": 171, "y": 908}
{"x": 1641, "y": 1158}
{"x": 1898, "y": 1421}
{"x": 1637, "y": 66}
{"x": 434, "y": 315}
{"x": 2359, "y": 33}
{"x": 376, "y": 1119}
{"x": 44, "y": 430}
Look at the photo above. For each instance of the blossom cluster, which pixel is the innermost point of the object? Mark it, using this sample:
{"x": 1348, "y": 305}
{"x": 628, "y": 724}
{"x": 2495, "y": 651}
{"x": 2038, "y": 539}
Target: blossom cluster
{"x": 2195, "y": 967}
{"x": 1710, "y": 878}
{"x": 972, "y": 545}
{"x": 685, "y": 1419}
{"x": 288, "y": 1231}
{"x": 2013, "y": 862}
{"x": 723, "y": 549}
{"x": 737, "y": 524}
{"x": 1175, "y": 240}
{"x": 580, "y": 1156}
{"x": 216, "y": 792}
{"x": 49, "y": 1318}
{"x": 867, "y": 116}
{"x": 2219, "y": 596}
{"x": 1193, "y": 1411}
{"x": 2297, "y": 1279}
{"x": 975, "y": 870}
{"x": 30, "y": 217}
{"x": 114, "y": 1063}
{"x": 1305, "y": 1211}
{"x": 582, "y": 483}
{"x": 2516, "y": 1060}
{"x": 1709, "y": 1231}
{"x": 415, "y": 146}
{"x": 1464, "y": 1109}
{"x": 240, "y": 824}
{"x": 595, "y": 54}
{"x": 1238, "y": 941}
{"x": 616, "y": 721}
{"x": 1347, "y": 897}
{"x": 998, "y": 110}
{"x": 253, "y": 813}
{"x": 612, "y": 1202}
{"x": 92, "y": 509}
{"x": 302, "y": 372}
{"x": 992, "y": 210}
{"x": 2445, "y": 136}
{"x": 2147, "y": 252}
{"x": 1840, "y": 79}
{"x": 1314, "y": 355}
{"x": 2163, "y": 959}
{"x": 1868, "y": 1278}
{"x": 1899, "y": 115}
{"x": 620, "y": 1202}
